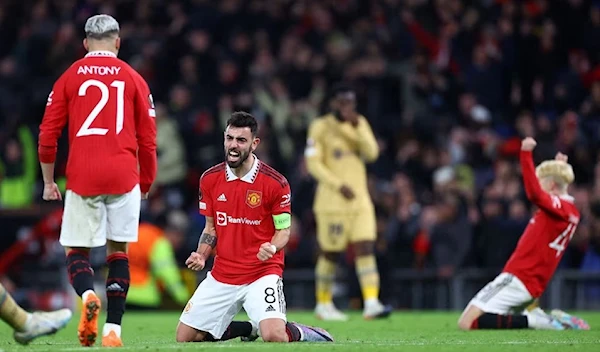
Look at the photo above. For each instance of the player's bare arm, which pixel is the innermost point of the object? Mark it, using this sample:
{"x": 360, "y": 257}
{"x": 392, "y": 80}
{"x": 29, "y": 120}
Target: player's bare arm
{"x": 283, "y": 223}
{"x": 268, "y": 249}
{"x": 207, "y": 242}
{"x": 51, "y": 191}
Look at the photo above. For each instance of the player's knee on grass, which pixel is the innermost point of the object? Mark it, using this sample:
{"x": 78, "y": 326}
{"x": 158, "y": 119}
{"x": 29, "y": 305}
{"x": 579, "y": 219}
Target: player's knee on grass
{"x": 186, "y": 333}
{"x": 470, "y": 314}
{"x": 273, "y": 330}
{"x": 465, "y": 323}
{"x": 364, "y": 248}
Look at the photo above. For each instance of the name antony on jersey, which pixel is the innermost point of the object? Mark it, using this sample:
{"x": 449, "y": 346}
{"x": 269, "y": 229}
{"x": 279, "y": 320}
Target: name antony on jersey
{"x": 98, "y": 70}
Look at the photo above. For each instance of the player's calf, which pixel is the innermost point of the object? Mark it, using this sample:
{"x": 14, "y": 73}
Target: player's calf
{"x": 80, "y": 271}
{"x": 235, "y": 329}
{"x": 117, "y": 286}
{"x": 473, "y": 318}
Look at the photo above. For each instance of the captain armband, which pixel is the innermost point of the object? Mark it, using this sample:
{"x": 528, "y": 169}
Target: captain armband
{"x": 282, "y": 221}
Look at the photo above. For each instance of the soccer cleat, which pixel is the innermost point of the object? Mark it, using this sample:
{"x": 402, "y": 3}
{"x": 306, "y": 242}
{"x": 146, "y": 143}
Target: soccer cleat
{"x": 376, "y": 311}
{"x": 42, "y": 324}
{"x": 111, "y": 340}
{"x": 329, "y": 312}
{"x": 313, "y": 334}
{"x": 544, "y": 322}
{"x": 571, "y": 321}
{"x": 88, "y": 323}
{"x": 253, "y": 335}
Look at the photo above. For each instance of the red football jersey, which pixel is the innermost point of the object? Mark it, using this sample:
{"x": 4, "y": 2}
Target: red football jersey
{"x": 548, "y": 234}
{"x": 110, "y": 113}
{"x": 243, "y": 210}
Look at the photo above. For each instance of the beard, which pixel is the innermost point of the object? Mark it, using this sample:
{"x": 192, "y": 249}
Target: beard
{"x": 236, "y": 161}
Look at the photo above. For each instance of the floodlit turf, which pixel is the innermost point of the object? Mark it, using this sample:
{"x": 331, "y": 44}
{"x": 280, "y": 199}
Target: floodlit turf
{"x": 404, "y": 331}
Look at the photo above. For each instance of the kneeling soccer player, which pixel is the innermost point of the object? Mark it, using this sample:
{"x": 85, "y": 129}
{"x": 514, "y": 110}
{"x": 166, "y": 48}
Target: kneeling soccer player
{"x": 501, "y": 303}
{"x": 247, "y": 205}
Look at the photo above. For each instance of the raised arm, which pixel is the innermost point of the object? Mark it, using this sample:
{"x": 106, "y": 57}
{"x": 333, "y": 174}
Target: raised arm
{"x": 548, "y": 203}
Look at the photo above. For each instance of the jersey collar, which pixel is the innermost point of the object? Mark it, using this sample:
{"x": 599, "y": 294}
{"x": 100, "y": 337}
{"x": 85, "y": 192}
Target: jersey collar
{"x": 100, "y": 53}
{"x": 250, "y": 177}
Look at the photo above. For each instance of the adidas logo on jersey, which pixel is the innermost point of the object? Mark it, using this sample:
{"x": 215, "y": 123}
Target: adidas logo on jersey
{"x": 222, "y": 198}
{"x": 270, "y": 309}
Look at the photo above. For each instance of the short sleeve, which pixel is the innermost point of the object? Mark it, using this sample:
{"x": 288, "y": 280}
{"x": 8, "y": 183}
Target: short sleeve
{"x": 205, "y": 205}
{"x": 282, "y": 202}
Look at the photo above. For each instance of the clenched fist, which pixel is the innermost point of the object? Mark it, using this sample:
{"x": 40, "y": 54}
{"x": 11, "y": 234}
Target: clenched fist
{"x": 195, "y": 262}
{"x": 266, "y": 251}
{"x": 51, "y": 192}
{"x": 528, "y": 144}
{"x": 561, "y": 157}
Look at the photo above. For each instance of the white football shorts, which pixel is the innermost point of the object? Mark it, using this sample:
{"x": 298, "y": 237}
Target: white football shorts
{"x": 89, "y": 221}
{"x": 505, "y": 295}
{"x": 214, "y": 304}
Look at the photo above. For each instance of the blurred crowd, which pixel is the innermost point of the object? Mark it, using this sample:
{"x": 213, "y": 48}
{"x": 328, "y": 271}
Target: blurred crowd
{"x": 449, "y": 86}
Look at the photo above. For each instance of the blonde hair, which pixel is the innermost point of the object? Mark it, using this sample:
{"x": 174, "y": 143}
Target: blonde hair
{"x": 559, "y": 171}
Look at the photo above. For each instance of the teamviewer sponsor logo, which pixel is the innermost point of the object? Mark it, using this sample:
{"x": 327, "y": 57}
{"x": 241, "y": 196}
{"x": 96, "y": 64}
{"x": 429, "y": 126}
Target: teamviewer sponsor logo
{"x": 221, "y": 218}
{"x": 244, "y": 221}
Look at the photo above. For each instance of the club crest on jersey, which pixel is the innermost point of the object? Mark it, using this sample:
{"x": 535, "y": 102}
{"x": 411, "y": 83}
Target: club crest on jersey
{"x": 253, "y": 198}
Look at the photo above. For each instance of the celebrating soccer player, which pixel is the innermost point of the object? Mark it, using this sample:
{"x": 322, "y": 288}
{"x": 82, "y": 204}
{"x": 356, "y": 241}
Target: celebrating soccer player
{"x": 338, "y": 146}
{"x": 110, "y": 113}
{"x": 247, "y": 205}
{"x": 542, "y": 245}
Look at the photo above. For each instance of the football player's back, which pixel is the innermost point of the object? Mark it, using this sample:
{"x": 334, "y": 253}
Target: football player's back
{"x": 107, "y": 106}
{"x": 101, "y": 90}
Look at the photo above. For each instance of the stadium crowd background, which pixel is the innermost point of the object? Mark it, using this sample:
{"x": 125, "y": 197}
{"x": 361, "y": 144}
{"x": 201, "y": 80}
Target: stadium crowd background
{"x": 449, "y": 86}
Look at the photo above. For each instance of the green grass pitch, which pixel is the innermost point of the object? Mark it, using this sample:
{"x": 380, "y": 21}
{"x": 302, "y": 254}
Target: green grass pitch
{"x": 404, "y": 331}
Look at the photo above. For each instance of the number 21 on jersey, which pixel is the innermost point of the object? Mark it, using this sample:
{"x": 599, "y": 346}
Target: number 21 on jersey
{"x": 560, "y": 243}
{"x": 85, "y": 129}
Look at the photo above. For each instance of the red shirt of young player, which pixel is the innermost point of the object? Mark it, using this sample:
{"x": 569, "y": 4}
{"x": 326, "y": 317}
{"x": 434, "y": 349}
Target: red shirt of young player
{"x": 545, "y": 239}
{"x": 243, "y": 210}
{"x": 110, "y": 113}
